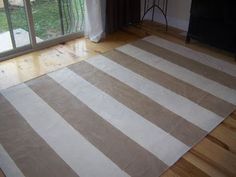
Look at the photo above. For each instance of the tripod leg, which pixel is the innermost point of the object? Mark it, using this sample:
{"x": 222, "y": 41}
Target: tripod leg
{"x": 153, "y": 10}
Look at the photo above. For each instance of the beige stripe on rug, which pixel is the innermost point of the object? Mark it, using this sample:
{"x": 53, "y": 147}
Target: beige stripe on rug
{"x": 147, "y": 68}
{"x": 133, "y": 111}
{"x": 115, "y": 145}
{"x": 29, "y": 151}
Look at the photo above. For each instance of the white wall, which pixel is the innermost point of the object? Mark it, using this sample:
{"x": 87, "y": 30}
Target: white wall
{"x": 178, "y": 14}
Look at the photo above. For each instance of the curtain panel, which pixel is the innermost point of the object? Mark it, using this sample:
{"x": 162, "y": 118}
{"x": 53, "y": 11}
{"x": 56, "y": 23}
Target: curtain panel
{"x": 120, "y": 13}
{"x": 94, "y": 22}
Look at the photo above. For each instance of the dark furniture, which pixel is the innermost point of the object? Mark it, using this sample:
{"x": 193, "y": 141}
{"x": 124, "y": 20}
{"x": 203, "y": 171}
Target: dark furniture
{"x": 121, "y": 13}
{"x": 214, "y": 22}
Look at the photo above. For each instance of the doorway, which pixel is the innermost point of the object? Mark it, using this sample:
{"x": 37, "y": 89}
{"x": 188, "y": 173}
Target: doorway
{"x": 28, "y": 25}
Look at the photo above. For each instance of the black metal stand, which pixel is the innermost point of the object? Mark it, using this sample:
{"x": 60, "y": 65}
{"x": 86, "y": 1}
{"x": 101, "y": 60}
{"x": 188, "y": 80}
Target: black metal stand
{"x": 160, "y": 4}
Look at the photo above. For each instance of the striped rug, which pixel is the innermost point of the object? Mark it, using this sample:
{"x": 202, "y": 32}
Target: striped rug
{"x": 133, "y": 111}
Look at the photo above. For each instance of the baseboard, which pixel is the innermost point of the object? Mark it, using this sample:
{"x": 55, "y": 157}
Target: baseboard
{"x": 172, "y": 21}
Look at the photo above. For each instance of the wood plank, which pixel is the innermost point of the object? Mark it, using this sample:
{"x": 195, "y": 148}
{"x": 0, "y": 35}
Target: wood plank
{"x": 186, "y": 169}
{"x": 233, "y": 115}
{"x": 226, "y": 136}
{"x": 136, "y": 31}
{"x": 170, "y": 173}
{"x": 203, "y": 165}
{"x": 230, "y": 123}
{"x": 216, "y": 156}
{"x": 1, "y": 173}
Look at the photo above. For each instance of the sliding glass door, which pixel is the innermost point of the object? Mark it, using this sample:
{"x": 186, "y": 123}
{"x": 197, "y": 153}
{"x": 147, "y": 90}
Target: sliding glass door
{"x": 13, "y": 26}
{"x": 27, "y": 25}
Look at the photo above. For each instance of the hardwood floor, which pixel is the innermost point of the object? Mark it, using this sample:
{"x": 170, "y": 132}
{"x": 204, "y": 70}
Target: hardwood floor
{"x": 1, "y": 173}
{"x": 35, "y": 64}
{"x": 214, "y": 156}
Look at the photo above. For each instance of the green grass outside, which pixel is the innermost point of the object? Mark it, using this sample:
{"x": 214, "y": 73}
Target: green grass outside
{"x": 45, "y": 15}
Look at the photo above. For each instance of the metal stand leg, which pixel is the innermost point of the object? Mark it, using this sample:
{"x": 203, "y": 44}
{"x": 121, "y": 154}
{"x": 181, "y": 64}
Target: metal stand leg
{"x": 155, "y": 4}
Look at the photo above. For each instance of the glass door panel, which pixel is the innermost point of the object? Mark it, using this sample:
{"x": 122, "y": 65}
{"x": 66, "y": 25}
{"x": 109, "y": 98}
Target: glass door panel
{"x": 5, "y": 36}
{"x": 19, "y": 22}
{"x": 27, "y": 25}
{"x": 46, "y": 19}
{"x": 13, "y": 25}
{"x": 56, "y": 18}
{"x": 72, "y": 15}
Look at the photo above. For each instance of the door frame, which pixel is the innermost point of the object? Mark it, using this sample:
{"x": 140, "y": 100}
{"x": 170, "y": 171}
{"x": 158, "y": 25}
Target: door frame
{"x": 33, "y": 46}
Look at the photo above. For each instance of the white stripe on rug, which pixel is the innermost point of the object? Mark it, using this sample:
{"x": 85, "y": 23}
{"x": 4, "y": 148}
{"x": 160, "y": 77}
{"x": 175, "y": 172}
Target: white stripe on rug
{"x": 194, "y": 55}
{"x": 155, "y": 140}
{"x": 8, "y": 165}
{"x": 70, "y": 145}
{"x": 181, "y": 73}
{"x": 178, "y": 104}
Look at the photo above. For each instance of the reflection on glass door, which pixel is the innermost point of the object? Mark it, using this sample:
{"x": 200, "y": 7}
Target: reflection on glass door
{"x": 5, "y": 37}
{"x": 55, "y": 18}
{"x": 13, "y": 25}
{"x": 29, "y": 24}
{"x": 19, "y": 22}
{"x": 72, "y": 15}
{"x": 46, "y": 19}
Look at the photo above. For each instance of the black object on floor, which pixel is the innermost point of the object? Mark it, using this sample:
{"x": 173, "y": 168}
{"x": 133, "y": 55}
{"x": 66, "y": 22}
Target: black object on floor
{"x": 214, "y": 22}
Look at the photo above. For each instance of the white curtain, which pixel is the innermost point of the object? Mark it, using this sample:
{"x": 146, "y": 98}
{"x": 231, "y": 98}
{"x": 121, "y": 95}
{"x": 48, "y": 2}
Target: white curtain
{"x": 94, "y": 19}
